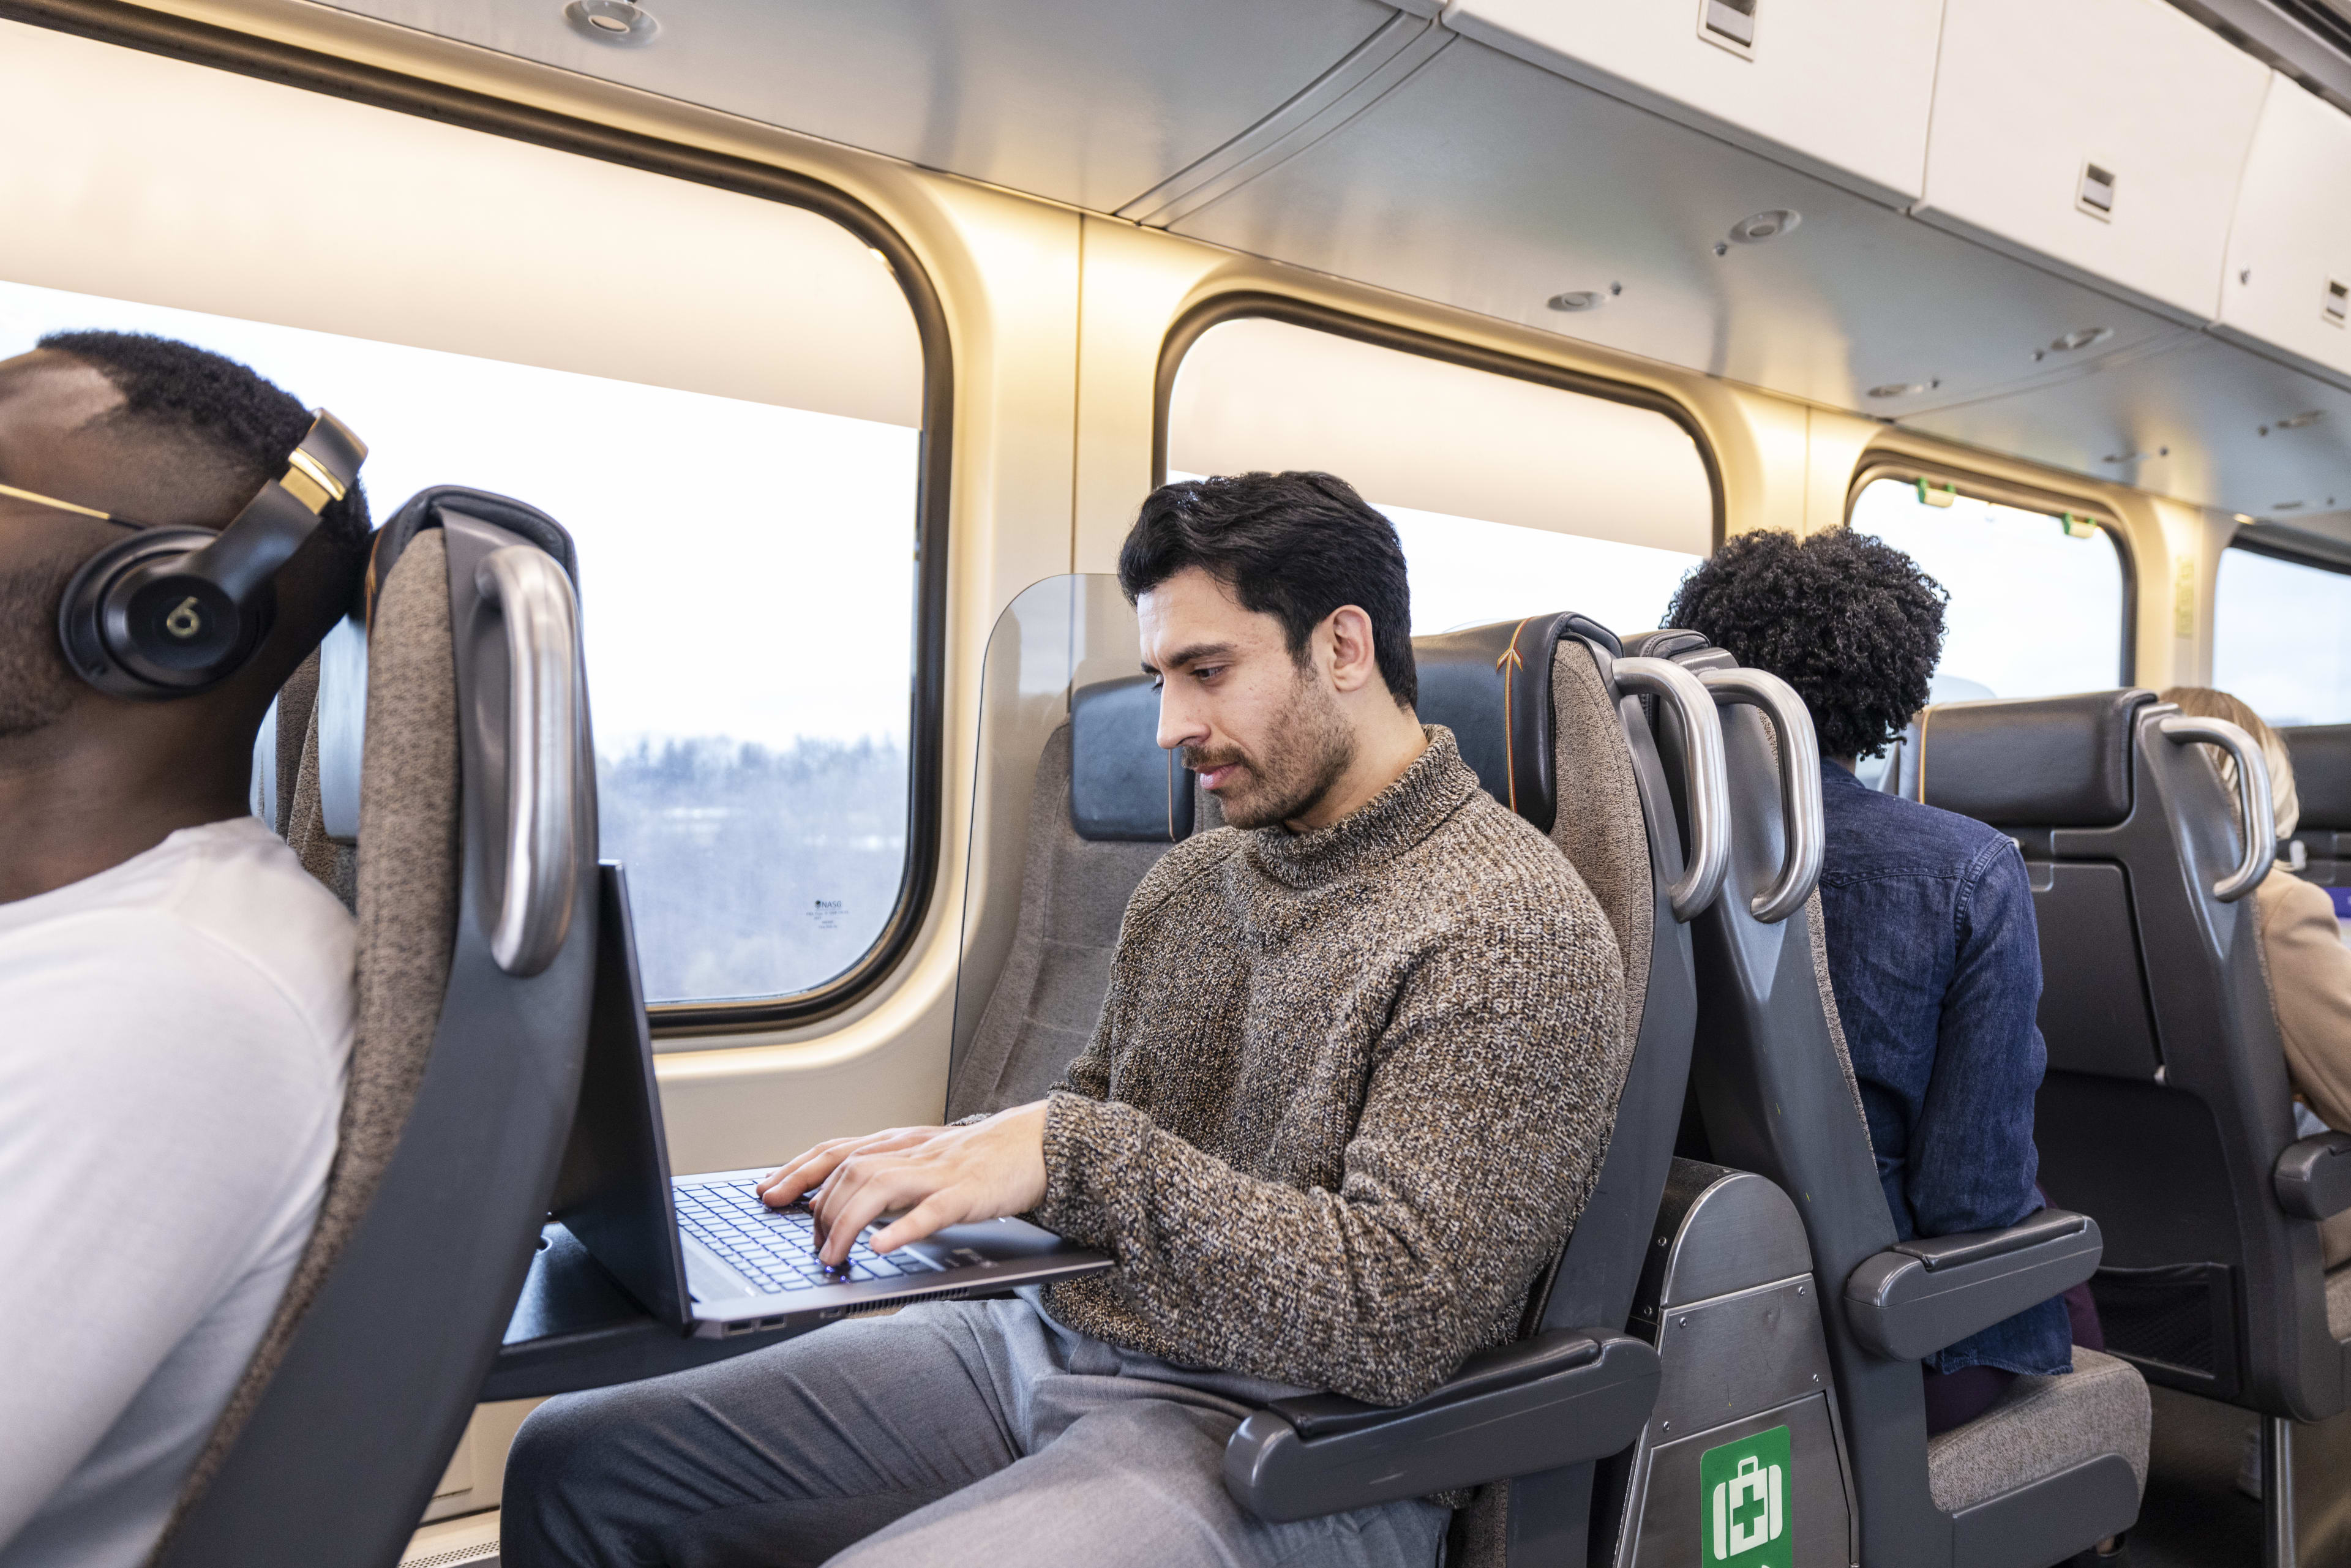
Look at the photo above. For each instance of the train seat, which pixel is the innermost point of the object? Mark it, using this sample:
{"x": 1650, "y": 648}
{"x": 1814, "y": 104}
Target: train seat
{"x": 2167, "y": 1112}
{"x": 1551, "y": 720}
{"x": 2059, "y": 1464}
{"x": 2322, "y": 778}
{"x": 1107, "y": 804}
{"x": 474, "y": 879}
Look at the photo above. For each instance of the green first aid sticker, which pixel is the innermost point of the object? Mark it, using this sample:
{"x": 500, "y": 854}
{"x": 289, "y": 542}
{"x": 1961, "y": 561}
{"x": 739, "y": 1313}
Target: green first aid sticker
{"x": 1742, "y": 1500}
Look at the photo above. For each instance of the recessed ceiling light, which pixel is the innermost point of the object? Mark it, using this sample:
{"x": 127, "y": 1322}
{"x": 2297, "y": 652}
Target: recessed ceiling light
{"x": 2295, "y": 421}
{"x": 2285, "y": 505}
{"x": 1761, "y": 226}
{"x": 612, "y": 21}
{"x": 1904, "y": 389}
{"x": 1578, "y": 300}
{"x": 2080, "y": 337}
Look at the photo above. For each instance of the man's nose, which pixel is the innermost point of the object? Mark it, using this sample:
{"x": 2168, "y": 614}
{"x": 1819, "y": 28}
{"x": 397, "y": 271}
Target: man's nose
{"x": 1178, "y": 724}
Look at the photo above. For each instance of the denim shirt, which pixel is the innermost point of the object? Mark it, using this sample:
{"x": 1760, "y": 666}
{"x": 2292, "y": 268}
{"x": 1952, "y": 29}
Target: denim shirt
{"x": 1936, "y": 963}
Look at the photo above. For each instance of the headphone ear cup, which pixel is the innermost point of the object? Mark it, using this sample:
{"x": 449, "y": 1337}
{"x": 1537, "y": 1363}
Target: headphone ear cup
{"x": 133, "y": 624}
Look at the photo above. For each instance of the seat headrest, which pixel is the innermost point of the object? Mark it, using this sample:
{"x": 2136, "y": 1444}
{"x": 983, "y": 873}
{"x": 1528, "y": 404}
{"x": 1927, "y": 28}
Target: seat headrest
{"x": 1121, "y": 785}
{"x": 2039, "y": 763}
{"x": 1490, "y": 686}
{"x": 2322, "y": 773}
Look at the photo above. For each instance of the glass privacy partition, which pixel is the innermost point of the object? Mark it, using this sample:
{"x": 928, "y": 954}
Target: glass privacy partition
{"x": 1071, "y": 802}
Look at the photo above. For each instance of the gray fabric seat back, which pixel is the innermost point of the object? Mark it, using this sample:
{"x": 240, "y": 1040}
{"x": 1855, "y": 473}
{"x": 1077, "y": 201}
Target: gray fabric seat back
{"x": 1106, "y": 805}
{"x": 1535, "y": 711}
{"x": 2166, "y": 1102}
{"x": 461, "y": 1078}
{"x": 2322, "y": 777}
{"x": 1536, "y": 714}
{"x": 1775, "y": 1092}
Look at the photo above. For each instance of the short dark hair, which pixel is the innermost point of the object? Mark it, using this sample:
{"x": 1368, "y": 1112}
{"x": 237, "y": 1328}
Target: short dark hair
{"x": 1294, "y": 546}
{"x": 249, "y": 424}
{"x": 1846, "y": 619}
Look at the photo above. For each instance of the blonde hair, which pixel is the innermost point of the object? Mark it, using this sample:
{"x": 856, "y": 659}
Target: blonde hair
{"x": 2203, "y": 702}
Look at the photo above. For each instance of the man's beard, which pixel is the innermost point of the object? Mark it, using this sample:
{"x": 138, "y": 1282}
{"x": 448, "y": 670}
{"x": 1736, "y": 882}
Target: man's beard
{"x": 1315, "y": 748}
{"x": 35, "y": 685}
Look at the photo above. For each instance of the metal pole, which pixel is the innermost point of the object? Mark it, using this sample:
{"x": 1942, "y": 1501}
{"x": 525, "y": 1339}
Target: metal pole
{"x": 2277, "y": 1492}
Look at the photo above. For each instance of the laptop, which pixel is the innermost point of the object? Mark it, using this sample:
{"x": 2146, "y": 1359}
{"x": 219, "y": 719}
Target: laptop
{"x": 703, "y": 1252}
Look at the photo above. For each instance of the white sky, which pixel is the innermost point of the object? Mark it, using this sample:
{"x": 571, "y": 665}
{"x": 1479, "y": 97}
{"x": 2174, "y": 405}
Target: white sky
{"x": 2033, "y": 612}
{"x": 745, "y": 570}
{"x": 2282, "y": 638}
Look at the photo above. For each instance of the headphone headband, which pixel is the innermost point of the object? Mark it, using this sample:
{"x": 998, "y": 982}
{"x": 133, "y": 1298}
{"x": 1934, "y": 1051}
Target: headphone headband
{"x": 172, "y": 612}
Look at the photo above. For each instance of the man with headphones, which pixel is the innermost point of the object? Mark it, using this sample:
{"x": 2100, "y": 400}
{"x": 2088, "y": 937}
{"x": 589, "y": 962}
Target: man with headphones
{"x": 177, "y": 1007}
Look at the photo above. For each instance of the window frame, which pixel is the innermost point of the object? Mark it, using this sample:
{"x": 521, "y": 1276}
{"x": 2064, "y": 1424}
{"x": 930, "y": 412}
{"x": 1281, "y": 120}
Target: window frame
{"x": 241, "y": 54}
{"x": 2268, "y": 544}
{"x": 1194, "y": 323}
{"x": 2028, "y": 498}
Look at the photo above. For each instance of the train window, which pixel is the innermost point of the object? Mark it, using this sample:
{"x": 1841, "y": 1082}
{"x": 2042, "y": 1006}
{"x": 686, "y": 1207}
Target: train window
{"x": 734, "y": 447}
{"x": 1513, "y": 497}
{"x": 2282, "y": 637}
{"x": 2038, "y": 598}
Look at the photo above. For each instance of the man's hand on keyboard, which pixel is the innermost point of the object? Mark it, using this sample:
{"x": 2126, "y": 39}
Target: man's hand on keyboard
{"x": 931, "y": 1176}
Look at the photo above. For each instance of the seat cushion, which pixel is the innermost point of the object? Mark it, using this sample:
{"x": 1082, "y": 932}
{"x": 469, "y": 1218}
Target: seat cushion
{"x": 2042, "y": 1426}
{"x": 2339, "y": 1302}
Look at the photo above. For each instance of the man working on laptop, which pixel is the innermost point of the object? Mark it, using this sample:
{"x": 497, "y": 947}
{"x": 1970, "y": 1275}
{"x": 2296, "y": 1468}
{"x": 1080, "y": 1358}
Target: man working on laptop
{"x": 1352, "y": 1078}
{"x": 175, "y": 993}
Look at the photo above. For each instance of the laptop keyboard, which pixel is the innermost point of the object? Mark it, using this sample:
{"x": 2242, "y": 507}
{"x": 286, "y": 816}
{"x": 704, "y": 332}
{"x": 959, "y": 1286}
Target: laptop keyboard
{"x": 776, "y": 1248}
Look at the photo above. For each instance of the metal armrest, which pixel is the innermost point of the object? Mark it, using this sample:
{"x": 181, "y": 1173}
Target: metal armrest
{"x": 1559, "y": 1398}
{"x": 2312, "y": 1179}
{"x": 1918, "y": 1297}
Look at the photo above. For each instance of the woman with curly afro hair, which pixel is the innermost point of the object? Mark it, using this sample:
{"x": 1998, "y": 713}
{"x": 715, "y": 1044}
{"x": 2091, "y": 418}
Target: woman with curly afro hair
{"x": 1933, "y": 954}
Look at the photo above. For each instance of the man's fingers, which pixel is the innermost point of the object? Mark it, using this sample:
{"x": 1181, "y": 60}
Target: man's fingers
{"x": 791, "y": 1167}
{"x": 802, "y": 1174}
{"x": 851, "y": 1211}
{"x": 812, "y": 1167}
{"x": 935, "y": 1213}
{"x": 789, "y": 1185}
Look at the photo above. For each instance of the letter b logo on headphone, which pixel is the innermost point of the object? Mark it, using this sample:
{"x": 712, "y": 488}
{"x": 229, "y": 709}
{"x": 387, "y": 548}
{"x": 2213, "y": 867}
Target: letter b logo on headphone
{"x": 1744, "y": 1503}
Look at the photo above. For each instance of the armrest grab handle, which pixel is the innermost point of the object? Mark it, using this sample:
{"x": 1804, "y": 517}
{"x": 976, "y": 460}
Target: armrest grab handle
{"x": 1567, "y": 1396}
{"x": 1319, "y": 1416}
{"x": 1903, "y": 1307}
{"x": 2313, "y": 1177}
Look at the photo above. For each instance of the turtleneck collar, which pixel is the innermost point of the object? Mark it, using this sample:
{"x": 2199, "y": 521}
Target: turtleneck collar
{"x": 1399, "y": 817}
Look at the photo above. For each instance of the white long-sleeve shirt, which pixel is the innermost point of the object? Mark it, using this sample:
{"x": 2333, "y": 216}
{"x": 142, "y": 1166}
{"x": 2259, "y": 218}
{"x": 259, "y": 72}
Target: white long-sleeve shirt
{"x": 173, "y": 1034}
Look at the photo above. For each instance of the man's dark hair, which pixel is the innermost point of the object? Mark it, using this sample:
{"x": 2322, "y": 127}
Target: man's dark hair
{"x": 1294, "y": 546}
{"x": 247, "y": 424}
{"x": 1846, "y": 619}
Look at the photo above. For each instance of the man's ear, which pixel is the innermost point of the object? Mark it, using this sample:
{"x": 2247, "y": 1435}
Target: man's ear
{"x": 1354, "y": 660}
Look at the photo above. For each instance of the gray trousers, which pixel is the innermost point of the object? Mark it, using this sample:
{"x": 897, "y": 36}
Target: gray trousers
{"x": 979, "y": 1432}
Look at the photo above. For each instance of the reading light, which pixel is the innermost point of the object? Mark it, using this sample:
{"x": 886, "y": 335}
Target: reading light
{"x": 612, "y": 21}
{"x": 1578, "y": 300}
{"x": 1766, "y": 225}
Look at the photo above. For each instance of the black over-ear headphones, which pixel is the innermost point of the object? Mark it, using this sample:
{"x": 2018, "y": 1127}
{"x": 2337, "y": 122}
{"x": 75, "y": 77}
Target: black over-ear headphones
{"x": 169, "y": 612}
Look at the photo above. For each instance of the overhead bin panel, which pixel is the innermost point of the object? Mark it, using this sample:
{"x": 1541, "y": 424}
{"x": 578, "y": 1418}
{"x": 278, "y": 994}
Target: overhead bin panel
{"x": 1839, "y": 88}
{"x": 2106, "y": 136}
{"x": 1645, "y": 236}
{"x": 2288, "y": 281}
{"x": 2198, "y": 419}
{"x": 1083, "y": 102}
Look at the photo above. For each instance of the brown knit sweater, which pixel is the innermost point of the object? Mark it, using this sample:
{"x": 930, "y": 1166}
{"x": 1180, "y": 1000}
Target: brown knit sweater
{"x": 1348, "y": 1091}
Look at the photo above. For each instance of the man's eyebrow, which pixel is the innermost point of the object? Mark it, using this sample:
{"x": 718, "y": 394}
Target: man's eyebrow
{"x": 1191, "y": 655}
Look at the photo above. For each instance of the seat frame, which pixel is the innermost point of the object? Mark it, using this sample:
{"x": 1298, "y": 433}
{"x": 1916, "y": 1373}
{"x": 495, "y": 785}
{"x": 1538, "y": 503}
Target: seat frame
{"x": 1775, "y": 1094}
{"x": 340, "y": 1455}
